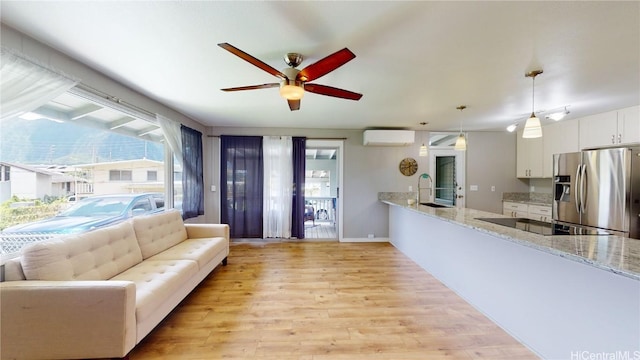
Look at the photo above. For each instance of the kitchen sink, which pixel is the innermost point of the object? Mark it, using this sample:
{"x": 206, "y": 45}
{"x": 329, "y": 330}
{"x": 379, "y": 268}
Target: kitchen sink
{"x": 434, "y": 205}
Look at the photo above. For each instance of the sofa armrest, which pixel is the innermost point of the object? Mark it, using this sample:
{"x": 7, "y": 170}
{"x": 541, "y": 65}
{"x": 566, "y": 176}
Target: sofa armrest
{"x": 67, "y": 319}
{"x": 198, "y": 231}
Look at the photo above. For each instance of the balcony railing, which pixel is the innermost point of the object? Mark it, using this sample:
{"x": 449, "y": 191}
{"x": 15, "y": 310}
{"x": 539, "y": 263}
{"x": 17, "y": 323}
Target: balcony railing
{"x": 324, "y": 207}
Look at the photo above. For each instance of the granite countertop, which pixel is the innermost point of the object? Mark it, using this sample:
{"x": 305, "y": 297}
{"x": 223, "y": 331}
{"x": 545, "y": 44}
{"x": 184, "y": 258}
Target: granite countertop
{"x": 611, "y": 253}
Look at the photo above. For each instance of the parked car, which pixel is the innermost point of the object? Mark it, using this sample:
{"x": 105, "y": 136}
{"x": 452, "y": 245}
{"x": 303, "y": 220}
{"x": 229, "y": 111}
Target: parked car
{"x": 94, "y": 212}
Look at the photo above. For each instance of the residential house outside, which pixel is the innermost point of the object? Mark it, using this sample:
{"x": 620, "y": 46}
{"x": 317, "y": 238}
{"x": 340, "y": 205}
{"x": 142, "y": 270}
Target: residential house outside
{"x": 126, "y": 176}
{"x": 33, "y": 182}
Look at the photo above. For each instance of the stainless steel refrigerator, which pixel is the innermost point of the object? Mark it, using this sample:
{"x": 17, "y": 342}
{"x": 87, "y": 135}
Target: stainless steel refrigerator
{"x": 599, "y": 188}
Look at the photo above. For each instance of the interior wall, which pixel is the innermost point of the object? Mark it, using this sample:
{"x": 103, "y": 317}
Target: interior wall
{"x": 544, "y": 186}
{"x": 491, "y": 161}
{"x": 367, "y": 171}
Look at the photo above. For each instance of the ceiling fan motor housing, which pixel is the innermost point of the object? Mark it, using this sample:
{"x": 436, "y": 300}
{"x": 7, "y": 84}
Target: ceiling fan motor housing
{"x": 291, "y": 73}
{"x": 293, "y": 59}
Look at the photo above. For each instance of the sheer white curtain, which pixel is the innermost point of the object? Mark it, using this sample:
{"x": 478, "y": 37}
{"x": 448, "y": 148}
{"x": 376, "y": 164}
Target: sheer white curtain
{"x": 278, "y": 186}
{"x": 172, "y": 133}
{"x": 25, "y": 85}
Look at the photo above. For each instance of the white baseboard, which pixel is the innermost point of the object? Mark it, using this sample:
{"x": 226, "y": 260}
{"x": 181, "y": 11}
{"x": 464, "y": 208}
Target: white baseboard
{"x": 375, "y": 239}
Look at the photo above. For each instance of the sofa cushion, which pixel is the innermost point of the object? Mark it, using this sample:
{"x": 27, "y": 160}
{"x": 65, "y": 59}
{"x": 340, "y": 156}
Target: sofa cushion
{"x": 158, "y": 232}
{"x": 157, "y": 280}
{"x": 202, "y": 250}
{"x": 95, "y": 255}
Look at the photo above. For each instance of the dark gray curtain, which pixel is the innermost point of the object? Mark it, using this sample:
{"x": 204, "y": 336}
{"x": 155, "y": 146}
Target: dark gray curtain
{"x": 297, "y": 209}
{"x": 192, "y": 174}
{"x": 241, "y": 185}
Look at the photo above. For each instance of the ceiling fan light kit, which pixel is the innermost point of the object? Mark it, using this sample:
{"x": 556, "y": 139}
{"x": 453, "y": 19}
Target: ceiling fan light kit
{"x": 290, "y": 88}
{"x": 532, "y": 128}
{"x": 294, "y": 82}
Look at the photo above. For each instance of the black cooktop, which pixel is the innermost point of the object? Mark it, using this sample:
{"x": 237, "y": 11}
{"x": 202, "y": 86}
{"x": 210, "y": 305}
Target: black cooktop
{"x": 544, "y": 228}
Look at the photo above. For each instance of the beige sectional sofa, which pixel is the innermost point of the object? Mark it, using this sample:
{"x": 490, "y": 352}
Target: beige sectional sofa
{"x": 98, "y": 294}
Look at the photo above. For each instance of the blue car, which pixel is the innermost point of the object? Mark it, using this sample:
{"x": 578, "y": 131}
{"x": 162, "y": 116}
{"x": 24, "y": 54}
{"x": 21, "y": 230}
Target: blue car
{"x": 94, "y": 212}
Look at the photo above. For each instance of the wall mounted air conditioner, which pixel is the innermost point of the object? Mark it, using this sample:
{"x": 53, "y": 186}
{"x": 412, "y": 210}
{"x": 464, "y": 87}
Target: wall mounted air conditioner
{"x": 388, "y": 137}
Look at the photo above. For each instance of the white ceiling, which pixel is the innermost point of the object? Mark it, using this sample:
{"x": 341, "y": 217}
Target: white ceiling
{"x": 415, "y": 61}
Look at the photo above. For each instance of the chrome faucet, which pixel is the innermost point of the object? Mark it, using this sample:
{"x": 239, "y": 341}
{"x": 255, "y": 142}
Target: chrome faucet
{"x": 426, "y": 176}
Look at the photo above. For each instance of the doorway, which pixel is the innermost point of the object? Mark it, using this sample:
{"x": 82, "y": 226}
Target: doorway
{"x": 323, "y": 179}
{"x": 447, "y": 168}
{"x": 445, "y": 180}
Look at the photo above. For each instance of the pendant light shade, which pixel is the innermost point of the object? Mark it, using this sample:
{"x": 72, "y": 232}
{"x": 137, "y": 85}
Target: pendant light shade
{"x": 461, "y": 141}
{"x": 424, "y": 151}
{"x": 532, "y": 128}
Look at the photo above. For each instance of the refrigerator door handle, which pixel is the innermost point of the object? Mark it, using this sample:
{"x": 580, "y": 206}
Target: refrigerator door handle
{"x": 583, "y": 189}
{"x": 576, "y": 191}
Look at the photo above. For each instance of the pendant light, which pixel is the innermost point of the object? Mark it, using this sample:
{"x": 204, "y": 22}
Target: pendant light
{"x": 532, "y": 128}
{"x": 461, "y": 142}
{"x": 423, "y": 149}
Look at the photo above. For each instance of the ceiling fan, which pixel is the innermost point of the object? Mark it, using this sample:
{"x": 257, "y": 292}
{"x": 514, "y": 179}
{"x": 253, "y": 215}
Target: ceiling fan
{"x": 294, "y": 82}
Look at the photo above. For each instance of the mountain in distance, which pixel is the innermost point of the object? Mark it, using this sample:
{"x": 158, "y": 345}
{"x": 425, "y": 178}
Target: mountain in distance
{"x": 39, "y": 142}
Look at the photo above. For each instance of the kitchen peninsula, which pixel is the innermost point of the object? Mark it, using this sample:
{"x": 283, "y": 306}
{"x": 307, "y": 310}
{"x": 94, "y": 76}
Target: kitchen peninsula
{"x": 558, "y": 295}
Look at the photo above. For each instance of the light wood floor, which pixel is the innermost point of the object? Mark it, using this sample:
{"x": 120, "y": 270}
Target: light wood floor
{"x": 320, "y": 230}
{"x": 325, "y": 300}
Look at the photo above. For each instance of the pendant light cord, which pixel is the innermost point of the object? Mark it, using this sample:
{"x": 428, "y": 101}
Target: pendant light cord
{"x": 533, "y": 96}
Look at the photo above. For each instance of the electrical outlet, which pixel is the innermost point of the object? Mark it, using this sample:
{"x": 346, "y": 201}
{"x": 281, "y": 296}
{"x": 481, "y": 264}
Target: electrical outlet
{"x": 473, "y": 188}
{"x": 410, "y": 188}
{"x": 532, "y": 188}
{"x": 493, "y": 188}
{"x": 370, "y": 236}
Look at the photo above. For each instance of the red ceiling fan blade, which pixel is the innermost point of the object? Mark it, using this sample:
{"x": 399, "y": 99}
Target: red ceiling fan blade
{"x": 252, "y": 87}
{"x": 244, "y": 56}
{"x": 294, "y": 104}
{"x": 326, "y": 65}
{"x": 331, "y": 91}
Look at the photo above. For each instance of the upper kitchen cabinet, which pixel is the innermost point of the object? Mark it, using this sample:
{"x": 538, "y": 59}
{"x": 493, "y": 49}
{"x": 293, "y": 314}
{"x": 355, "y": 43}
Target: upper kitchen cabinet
{"x": 620, "y": 127}
{"x": 529, "y": 157}
{"x": 629, "y": 125}
{"x": 561, "y": 137}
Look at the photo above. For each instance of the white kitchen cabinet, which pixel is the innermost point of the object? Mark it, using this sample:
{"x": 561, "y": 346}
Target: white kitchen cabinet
{"x": 514, "y": 209}
{"x": 539, "y": 212}
{"x": 629, "y": 125}
{"x": 619, "y": 127}
{"x": 529, "y": 211}
{"x": 559, "y": 138}
{"x": 529, "y": 156}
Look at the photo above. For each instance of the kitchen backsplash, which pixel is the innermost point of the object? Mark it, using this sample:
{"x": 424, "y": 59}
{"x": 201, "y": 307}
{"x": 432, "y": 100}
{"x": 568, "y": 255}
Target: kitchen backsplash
{"x": 533, "y": 197}
{"x": 397, "y": 196}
